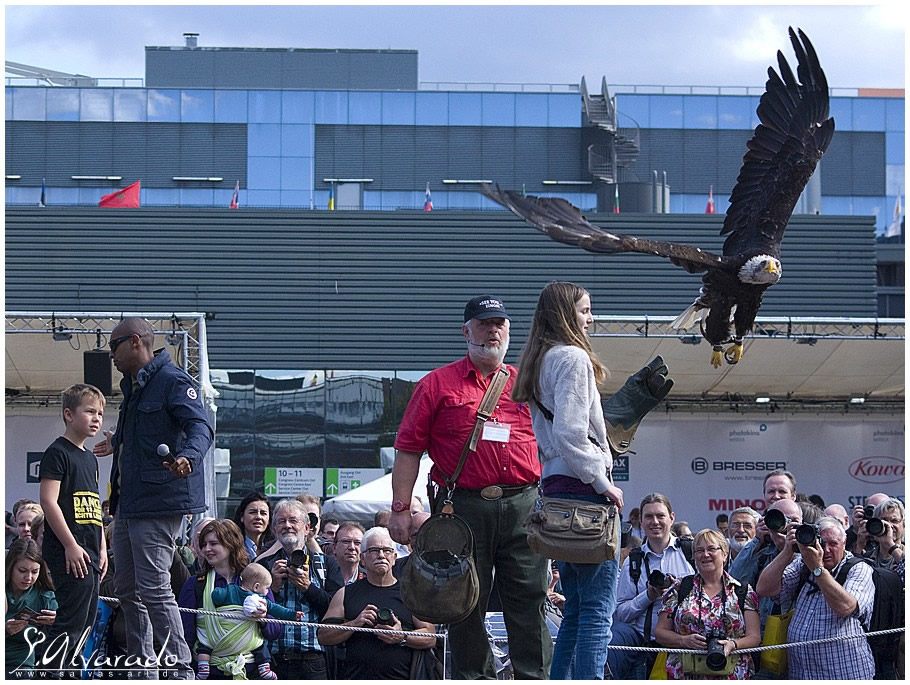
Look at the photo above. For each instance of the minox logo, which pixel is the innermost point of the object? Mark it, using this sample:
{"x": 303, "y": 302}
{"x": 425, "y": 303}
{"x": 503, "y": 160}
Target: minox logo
{"x": 701, "y": 465}
{"x": 878, "y": 469}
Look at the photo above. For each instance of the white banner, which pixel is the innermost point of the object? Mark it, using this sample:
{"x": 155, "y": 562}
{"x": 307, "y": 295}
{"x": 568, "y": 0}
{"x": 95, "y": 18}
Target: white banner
{"x": 708, "y": 465}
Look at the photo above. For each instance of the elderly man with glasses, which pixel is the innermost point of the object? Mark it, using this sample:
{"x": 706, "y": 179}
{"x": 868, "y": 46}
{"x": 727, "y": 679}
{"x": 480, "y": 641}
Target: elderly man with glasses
{"x": 302, "y": 580}
{"x": 375, "y": 602}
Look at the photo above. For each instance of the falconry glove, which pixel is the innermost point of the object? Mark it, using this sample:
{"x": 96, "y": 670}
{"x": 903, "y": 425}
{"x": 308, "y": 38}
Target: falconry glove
{"x": 641, "y": 392}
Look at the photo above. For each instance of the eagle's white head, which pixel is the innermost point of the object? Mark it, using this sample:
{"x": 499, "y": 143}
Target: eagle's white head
{"x": 761, "y": 270}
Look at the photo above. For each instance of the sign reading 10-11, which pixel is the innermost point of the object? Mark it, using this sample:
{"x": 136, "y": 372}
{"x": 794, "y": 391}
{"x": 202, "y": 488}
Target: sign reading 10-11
{"x": 289, "y": 482}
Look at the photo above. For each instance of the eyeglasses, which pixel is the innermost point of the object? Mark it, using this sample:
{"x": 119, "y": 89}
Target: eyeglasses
{"x": 291, "y": 522}
{"x": 710, "y": 550}
{"x": 384, "y": 551}
{"x": 347, "y": 542}
{"x": 116, "y": 341}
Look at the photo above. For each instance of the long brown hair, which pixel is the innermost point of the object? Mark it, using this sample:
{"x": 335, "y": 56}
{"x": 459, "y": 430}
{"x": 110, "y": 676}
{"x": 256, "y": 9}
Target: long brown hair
{"x": 28, "y": 549}
{"x": 554, "y": 323}
{"x": 229, "y": 535}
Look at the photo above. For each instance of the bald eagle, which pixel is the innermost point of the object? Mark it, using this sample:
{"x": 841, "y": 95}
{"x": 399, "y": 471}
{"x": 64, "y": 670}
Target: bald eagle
{"x": 794, "y": 132}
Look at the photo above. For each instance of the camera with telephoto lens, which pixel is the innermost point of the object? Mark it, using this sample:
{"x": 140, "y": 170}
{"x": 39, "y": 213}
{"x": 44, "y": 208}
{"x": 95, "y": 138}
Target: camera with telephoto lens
{"x": 875, "y": 526}
{"x": 777, "y": 521}
{"x": 716, "y": 659}
{"x": 298, "y": 559}
{"x": 868, "y": 511}
{"x": 384, "y": 617}
{"x": 659, "y": 580}
{"x": 807, "y": 534}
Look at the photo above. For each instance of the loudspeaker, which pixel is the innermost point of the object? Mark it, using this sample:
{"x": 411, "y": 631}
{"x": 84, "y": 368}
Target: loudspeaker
{"x": 96, "y": 365}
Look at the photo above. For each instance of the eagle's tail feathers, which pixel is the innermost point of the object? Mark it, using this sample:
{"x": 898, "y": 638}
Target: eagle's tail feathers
{"x": 688, "y": 317}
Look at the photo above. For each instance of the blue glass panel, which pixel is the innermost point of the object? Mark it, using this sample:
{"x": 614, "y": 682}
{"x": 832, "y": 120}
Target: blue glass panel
{"x": 230, "y": 106}
{"x": 372, "y": 200}
{"x": 464, "y": 109}
{"x": 432, "y": 109}
{"x": 62, "y": 104}
{"x": 364, "y": 108}
{"x": 734, "y": 112}
{"x": 9, "y": 104}
{"x": 297, "y": 140}
{"x": 530, "y": 109}
{"x": 263, "y": 198}
{"x": 29, "y": 103}
{"x": 894, "y": 114}
{"x": 753, "y": 106}
{"x": 96, "y": 104}
{"x": 265, "y": 106}
{"x": 295, "y": 173}
{"x": 398, "y": 109}
{"x": 498, "y": 109}
{"x": 197, "y": 106}
{"x": 295, "y": 198}
{"x": 868, "y": 114}
{"x": 263, "y": 140}
{"x": 263, "y": 173}
{"x": 874, "y": 206}
{"x": 837, "y": 205}
{"x": 635, "y": 107}
{"x": 331, "y": 107}
{"x": 92, "y": 196}
{"x": 700, "y": 111}
{"x": 842, "y": 111}
{"x": 894, "y": 147}
{"x": 466, "y": 200}
{"x": 565, "y": 109}
{"x": 164, "y": 105}
{"x": 296, "y": 107}
{"x": 894, "y": 179}
{"x": 666, "y": 111}
{"x": 321, "y": 198}
{"x": 57, "y": 196}
{"x": 164, "y": 197}
{"x": 130, "y": 104}
{"x": 197, "y": 197}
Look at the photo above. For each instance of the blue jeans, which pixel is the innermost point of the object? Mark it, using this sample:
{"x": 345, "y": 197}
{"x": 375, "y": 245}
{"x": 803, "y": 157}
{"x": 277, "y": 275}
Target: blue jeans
{"x": 590, "y": 592}
{"x": 626, "y": 664}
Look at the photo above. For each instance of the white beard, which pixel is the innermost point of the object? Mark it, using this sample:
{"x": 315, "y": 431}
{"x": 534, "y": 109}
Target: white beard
{"x": 488, "y": 354}
{"x": 736, "y": 545}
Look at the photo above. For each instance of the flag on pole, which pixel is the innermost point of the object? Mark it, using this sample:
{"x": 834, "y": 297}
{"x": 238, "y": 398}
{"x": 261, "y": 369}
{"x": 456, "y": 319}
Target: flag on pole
{"x": 332, "y": 195}
{"x": 895, "y": 227}
{"x": 125, "y": 197}
{"x": 42, "y": 199}
{"x": 616, "y": 199}
{"x": 710, "y": 208}
{"x": 428, "y": 203}
{"x": 236, "y": 197}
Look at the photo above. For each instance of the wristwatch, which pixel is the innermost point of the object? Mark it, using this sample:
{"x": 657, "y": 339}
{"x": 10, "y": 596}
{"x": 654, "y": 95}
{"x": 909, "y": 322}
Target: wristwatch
{"x": 893, "y": 547}
{"x": 818, "y": 571}
{"x": 403, "y": 642}
{"x": 398, "y": 506}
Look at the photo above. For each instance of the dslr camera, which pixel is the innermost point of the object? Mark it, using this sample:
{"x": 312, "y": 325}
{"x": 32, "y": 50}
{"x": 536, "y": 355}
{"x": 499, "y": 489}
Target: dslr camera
{"x": 298, "y": 559}
{"x": 384, "y": 617}
{"x": 807, "y": 534}
{"x": 659, "y": 580}
{"x": 716, "y": 659}
{"x": 777, "y": 521}
{"x": 874, "y": 526}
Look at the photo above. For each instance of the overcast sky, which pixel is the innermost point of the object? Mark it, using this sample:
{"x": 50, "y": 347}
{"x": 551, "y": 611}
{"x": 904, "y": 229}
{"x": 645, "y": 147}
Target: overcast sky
{"x": 660, "y": 45}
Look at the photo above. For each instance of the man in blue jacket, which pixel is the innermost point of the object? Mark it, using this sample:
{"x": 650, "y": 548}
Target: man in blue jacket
{"x": 150, "y": 495}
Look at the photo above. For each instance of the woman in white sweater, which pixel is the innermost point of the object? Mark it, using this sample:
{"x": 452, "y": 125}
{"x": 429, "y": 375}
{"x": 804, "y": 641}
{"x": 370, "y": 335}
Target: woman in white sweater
{"x": 558, "y": 376}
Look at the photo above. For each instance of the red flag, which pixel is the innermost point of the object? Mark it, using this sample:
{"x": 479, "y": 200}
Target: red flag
{"x": 710, "y": 208}
{"x": 234, "y": 200}
{"x": 428, "y": 203}
{"x": 125, "y": 197}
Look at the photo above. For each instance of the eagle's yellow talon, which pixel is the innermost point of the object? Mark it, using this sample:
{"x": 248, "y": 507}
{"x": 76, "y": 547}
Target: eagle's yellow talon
{"x": 734, "y": 353}
{"x": 717, "y": 358}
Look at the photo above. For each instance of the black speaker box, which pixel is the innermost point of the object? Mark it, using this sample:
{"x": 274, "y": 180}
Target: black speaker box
{"x": 97, "y": 370}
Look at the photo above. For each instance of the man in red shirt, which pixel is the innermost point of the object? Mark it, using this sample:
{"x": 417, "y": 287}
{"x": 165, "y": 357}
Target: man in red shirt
{"x": 439, "y": 419}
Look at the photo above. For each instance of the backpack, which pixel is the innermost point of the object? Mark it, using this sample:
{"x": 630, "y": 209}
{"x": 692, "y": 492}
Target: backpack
{"x": 887, "y": 610}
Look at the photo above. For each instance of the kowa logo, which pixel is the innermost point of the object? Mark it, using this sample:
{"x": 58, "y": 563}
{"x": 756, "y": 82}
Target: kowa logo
{"x": 701, "y": 465}
{"x": 878, "y": 469}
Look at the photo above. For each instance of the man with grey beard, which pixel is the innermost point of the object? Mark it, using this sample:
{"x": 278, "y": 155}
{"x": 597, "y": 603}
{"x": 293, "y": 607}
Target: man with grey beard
{"x": 741, "y": 529}
{"x": 494, "y": 493}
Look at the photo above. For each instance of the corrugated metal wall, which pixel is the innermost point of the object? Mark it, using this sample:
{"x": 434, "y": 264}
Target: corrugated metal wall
{"x": 383, "y": 290}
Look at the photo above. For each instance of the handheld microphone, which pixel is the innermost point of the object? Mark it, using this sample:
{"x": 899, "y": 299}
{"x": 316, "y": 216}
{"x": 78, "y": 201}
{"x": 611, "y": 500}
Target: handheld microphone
{"x": 165, "y": 453}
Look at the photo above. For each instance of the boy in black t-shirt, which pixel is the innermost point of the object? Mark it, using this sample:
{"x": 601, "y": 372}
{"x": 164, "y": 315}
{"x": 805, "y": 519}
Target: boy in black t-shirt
{"x": 74, "y": 546}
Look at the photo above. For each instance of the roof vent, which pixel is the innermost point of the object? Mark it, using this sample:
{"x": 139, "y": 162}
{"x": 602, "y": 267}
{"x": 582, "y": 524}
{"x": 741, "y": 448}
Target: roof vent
{"x": 191, "y": 39}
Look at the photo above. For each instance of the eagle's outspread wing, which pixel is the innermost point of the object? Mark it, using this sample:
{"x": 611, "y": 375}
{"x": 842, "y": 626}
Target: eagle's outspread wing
{"x": 794, "y": 132}
{"x": 565, "y": 223}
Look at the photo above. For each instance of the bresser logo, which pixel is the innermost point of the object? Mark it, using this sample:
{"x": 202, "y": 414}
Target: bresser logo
{"x": 700, "y": 465}
{"x": 878, "y": 469}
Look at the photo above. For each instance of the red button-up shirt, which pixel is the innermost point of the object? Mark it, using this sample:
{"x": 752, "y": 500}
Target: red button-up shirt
{"x": 441, "y": 415}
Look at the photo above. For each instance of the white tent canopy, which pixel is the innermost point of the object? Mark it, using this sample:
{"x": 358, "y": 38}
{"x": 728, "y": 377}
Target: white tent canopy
{"x": 362, "y": 503}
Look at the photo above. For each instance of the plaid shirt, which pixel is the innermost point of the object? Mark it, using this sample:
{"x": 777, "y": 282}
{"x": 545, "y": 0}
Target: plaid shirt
{"x": 814, "y": 619}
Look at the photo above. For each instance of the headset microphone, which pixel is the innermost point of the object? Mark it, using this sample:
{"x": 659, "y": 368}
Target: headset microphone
{"x": 476, "y": 344}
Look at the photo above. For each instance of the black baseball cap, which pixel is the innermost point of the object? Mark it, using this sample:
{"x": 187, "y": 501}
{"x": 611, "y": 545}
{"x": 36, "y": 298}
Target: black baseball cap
{"x": 485, "y": 307}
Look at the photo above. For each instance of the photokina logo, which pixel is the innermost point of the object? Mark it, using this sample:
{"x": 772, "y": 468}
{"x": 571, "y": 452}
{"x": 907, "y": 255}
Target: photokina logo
{"x": 700, "y": 465}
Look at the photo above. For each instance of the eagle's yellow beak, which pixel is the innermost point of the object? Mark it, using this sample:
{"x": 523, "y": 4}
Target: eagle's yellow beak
{"x": 772, "y": 268}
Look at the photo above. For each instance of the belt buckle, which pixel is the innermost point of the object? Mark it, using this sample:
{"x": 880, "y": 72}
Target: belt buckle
{"x": 491, "y": 493}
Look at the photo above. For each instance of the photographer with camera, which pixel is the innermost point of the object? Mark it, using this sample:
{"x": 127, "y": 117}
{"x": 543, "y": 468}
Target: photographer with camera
{"x": 302, "y": 580}
{"x": 709, "y": 611}
{"x": 823, "y": 606}
{"x": 375, "y": 602}
{"x": 858, "y": 540}
{"x": 647, "y": 572}
{"x": 886, "y": 530}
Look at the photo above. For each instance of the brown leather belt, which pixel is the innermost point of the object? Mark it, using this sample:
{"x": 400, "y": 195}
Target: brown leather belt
{"x": 492, "y": 493}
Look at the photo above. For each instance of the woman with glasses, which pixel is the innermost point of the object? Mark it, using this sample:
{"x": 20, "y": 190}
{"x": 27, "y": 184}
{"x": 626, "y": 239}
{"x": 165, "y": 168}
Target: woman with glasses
{"x": 714, "y": 609}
